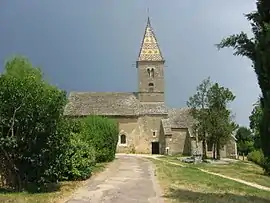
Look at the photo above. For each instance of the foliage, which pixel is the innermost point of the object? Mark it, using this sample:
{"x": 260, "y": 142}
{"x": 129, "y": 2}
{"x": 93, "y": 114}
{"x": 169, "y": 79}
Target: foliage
{"x": 38, "y": 145}
{"x": 198, "y": 104}
{"x": 103, "y": 134}
{"x": 245, "y": 140}
{"x": 255, "y": 120}
{"x": 213, "y": 120}
{"x": 30, "y": 109}
{"x": 81, "y": 158}
{"x": 256, "y": 156}
{"x": 220, "y": 125}
{"x": 257, "y": 49}
{"x": 78, "y": 158}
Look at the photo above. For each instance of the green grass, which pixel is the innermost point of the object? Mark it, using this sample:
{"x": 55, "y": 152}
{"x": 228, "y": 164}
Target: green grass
{"x": 187, "y": 184}
{"x": 244, "y": 170}
{"x": 66, "y": 189}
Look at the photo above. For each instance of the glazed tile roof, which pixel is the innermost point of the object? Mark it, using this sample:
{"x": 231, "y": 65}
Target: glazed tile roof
{"x": 149, "y": 50}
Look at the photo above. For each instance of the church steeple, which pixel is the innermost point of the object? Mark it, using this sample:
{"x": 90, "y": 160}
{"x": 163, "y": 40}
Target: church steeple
{"x": 150, "y": 68}
{"x": 149, "y": 50}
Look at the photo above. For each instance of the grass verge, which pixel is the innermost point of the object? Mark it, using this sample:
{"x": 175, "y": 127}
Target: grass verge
{"x": 66, "y": 189}
{"x": 187, "y": 184}
{"x": 244, "y": 170}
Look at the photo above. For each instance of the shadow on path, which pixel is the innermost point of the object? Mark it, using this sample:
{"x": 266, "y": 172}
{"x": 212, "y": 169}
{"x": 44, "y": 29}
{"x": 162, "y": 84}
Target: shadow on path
{"x": 190, "y": 196}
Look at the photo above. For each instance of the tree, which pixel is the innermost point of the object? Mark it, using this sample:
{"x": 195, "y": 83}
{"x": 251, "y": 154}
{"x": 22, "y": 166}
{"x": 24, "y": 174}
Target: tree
{"x": 198, "y": 104}
{"x": 30, "y": 110}
{"x": 245, "y": 140}
{"x": 219, "y": 122}
{"x": 257, "y": 49}
{"x": 255, "y": 120}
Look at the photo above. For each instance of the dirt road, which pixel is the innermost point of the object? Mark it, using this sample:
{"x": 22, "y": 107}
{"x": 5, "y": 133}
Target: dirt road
{"x": 128, "y": 179}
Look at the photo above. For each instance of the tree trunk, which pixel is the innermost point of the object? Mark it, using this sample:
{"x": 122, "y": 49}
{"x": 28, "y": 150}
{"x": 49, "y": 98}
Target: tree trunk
{"x": 204, "y": 156}
{"x": 214, "y": 151}
{"x": 265, "y": 128}
{"x": 265, "y": 133}
{"x": 218, "y": 150}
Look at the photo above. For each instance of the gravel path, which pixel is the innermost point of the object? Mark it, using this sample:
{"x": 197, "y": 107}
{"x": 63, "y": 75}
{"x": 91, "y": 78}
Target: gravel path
{"x": 128, "y": 179}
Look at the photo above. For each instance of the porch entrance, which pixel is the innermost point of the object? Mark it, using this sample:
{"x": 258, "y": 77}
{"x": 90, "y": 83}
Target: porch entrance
{"x": 155, "y": 147}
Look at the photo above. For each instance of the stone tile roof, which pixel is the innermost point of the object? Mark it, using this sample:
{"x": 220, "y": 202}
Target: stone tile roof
{"x": 166, "y": 126}
{"x": 153, "y": 108}
{"x": 110, "y": 104}
{"x": 180, "y": 118}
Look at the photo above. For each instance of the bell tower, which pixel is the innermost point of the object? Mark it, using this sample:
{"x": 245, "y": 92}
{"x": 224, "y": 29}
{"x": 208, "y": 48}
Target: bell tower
{"x": 150, "y": 67}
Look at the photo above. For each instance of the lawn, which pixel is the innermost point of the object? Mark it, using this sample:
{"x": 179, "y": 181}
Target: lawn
{"x": 66, "y": 189}
{"x": 187, "y": 184}
{"x": 244, "y": 170}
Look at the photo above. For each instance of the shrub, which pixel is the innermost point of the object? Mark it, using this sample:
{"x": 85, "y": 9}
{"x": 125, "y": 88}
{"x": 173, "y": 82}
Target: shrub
{"x": 103, "y": 134}
{"x": 81, "y": 158}
{"x": 256, "y": 156}
{"x": 30, "y": 110}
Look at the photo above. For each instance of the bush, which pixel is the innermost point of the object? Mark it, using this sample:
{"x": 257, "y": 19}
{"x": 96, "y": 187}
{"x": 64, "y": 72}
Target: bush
{"x": 30, "y": 110}
{"x": 256, "y": 156}
{"x": 38, "y": 146}
{"x": 81, "y": 158}
{"x": 103, "y": 134}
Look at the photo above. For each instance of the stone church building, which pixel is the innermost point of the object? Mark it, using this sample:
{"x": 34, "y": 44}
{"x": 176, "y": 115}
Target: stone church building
{"x": 146, "y": 124}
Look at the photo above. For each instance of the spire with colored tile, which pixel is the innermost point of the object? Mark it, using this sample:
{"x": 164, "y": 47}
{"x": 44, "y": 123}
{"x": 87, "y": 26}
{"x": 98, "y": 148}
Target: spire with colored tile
{"x": 149, "y": 50}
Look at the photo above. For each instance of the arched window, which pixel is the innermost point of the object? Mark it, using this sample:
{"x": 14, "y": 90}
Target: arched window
{"x": 123, "y": 139}
{"x": 151, "y": 87}
{"x": 149, "y": 72}
{"x": 152, "y": 73}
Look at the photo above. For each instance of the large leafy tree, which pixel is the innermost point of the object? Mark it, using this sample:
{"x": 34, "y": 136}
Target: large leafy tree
{"x": 245, "y": 140}
{"x": 257, "y": 49}
{"x": 30, "y": 110}
{"x": 255, "y": 120}
{"x": 198, "y": 104}
{"x": 220, "y": 124}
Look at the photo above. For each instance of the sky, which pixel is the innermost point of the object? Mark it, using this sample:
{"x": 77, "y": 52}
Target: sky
{"x": 93, "y": 45}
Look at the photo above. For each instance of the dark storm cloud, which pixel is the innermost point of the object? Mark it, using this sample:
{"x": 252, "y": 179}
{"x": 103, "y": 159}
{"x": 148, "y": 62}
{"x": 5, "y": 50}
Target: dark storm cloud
{"x": 93, "y": 45}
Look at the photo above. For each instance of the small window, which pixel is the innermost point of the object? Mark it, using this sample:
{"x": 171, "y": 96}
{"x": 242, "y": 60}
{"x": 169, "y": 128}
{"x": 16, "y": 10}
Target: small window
{"x": 152, "y": 73}
{"x": 149, "y": 72}
{"x": 123, "y": 139}
{"x": 151, "y": 87}
{"x": 154, "y": 133}
{"x": 167, "y": 150}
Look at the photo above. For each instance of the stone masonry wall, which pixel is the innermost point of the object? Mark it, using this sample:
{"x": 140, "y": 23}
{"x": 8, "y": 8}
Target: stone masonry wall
{"x": 179, "y": 142}
{"x": 231, "y": 149}
{"x": 139, "y": 133}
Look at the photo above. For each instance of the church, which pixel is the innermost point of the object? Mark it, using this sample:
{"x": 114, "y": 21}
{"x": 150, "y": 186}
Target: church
{"x": 146, "y": 124}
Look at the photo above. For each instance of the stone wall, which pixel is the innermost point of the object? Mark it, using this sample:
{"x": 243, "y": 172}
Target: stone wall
{"x": 178, "y": 143}
{"x": 157, "y": 90}
{"x": 140, "y": 133}
{"x": 196, "y": 146}
{"x": 231, "y": 150}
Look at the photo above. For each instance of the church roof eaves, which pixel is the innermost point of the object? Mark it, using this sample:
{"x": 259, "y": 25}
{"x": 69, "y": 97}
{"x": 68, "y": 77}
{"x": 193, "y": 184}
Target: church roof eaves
{"x": 110, "y": 104}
